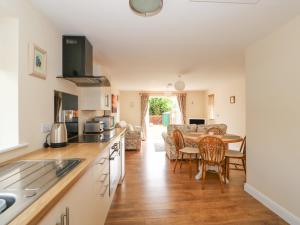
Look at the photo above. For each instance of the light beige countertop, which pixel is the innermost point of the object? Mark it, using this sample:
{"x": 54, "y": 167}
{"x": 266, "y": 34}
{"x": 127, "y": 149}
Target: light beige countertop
{"x": 87, "y": 151}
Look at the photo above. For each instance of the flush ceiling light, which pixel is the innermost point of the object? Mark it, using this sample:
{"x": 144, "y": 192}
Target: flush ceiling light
{"x": 179, "y": 84}
{"x": 146, "y": 7}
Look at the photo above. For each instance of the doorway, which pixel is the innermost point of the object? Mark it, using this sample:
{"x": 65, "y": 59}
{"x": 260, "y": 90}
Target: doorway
{"x": 163, "y": 111}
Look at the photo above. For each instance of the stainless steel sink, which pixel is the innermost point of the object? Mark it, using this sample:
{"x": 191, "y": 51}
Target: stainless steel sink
{"x": 23, "y": 182}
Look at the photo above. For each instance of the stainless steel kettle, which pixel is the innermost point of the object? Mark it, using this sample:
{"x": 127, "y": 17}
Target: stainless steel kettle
{"x": 58, "y": 135}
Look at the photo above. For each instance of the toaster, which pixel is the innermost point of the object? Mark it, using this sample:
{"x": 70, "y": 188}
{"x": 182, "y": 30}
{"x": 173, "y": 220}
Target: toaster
{"x": 93, "y": 127}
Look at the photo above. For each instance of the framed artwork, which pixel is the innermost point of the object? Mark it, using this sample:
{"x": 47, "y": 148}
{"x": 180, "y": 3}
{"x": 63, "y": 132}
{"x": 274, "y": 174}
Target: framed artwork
{"x": 37, "y": 61}
{"x": 232, "y": 99}
{"x": 114, "y": 103}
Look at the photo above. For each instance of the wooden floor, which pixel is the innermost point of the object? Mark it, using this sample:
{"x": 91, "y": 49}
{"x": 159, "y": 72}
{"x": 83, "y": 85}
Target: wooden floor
{"x": 152, "y": 194}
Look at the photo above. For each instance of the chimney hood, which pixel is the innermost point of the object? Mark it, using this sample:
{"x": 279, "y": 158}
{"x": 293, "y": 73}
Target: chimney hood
{"x": 78, "y": 63}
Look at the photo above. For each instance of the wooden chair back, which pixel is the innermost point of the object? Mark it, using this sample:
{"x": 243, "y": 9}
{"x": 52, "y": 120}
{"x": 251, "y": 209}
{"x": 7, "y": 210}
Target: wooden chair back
{"x": 212, "y": 149}
{"x": 243, "y": 146}
{"x": 215, "y": 131}
{"x": 178, "y": 140}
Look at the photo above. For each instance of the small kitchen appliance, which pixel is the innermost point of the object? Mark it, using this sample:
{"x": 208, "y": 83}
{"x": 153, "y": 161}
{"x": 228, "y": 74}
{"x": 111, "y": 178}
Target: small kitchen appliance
{"x": 105, "y": 136}
{"x": 93, "y": 127}
{"x": 58, "y": 135}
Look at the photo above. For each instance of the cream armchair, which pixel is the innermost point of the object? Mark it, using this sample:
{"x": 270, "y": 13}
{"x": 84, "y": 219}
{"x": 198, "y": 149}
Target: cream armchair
{"x": 133, "y": 135}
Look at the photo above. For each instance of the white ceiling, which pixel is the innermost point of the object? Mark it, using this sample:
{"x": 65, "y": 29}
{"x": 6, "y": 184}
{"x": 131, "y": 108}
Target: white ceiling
{"x": 202, "y": 41}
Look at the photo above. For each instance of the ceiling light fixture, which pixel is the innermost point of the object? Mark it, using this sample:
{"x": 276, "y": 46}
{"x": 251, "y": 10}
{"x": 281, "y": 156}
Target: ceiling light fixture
{"x": 146, "y": 7}
{"x": 179, "y": 84}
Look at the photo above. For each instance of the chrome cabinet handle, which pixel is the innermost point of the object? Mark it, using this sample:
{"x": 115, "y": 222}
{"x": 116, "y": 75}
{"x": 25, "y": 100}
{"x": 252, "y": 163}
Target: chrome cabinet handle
{"x": 63, "y": 216}
{"x": 104, "y": 191}
{"x": 62, "y": 220}
{"x": 67, "y": 216}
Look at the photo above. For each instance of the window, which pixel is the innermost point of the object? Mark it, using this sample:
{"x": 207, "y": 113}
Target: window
{"x": 9, "y": 65}
{"x": 211, "y": 107}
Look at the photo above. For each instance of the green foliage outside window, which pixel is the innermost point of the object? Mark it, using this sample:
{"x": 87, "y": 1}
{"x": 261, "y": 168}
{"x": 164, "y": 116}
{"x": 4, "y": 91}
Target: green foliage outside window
{"x": 157, "y": 106}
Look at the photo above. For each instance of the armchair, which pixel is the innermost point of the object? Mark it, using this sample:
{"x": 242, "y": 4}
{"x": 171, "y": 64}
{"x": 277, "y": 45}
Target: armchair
{"x": 133, "y": 136}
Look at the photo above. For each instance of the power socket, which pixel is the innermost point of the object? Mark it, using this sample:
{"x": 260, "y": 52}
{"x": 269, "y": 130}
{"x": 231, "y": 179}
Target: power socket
{"x": 46, "y": 128}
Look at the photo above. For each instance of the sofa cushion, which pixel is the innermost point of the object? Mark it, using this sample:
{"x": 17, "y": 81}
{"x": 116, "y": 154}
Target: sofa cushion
{"x": 133, "y": 134}
{"x": 182, "y": 128}
{"x": 201, "y": 129}
{"x": 221, "y": 126}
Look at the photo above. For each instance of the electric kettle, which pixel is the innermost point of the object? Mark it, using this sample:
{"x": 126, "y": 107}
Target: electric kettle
{"x": 58, "y": 135}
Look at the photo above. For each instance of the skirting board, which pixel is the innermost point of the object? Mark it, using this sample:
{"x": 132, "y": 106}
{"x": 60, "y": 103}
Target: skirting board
{"x": 275, "y": 207}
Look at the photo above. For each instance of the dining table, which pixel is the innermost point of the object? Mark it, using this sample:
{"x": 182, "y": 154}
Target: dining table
{"x": 195, "y": 137}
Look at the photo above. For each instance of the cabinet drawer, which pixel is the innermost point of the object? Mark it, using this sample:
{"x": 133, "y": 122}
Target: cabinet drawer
{"x": 101, "y": 165}
{"x": 101, "y": 186}
{"x": 100, "y": 170}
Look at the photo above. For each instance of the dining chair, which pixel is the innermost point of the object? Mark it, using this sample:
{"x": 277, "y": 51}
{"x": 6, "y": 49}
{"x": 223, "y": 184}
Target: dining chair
{"x": 236, "y": 155}
{"x": 212, "y": 152}
{"x": 215, "y": 131}
{"x": 182, "y": 150}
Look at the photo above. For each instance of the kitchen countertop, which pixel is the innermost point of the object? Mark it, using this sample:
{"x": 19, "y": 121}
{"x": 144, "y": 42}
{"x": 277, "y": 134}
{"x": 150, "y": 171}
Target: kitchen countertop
{"x": 87, "y": 151}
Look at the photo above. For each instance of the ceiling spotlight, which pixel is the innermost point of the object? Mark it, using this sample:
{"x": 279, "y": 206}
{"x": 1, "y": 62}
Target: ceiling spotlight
{"x": 146, "y": 7}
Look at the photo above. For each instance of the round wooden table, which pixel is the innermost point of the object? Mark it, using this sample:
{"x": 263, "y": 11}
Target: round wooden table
{"x": 194, "y": 138}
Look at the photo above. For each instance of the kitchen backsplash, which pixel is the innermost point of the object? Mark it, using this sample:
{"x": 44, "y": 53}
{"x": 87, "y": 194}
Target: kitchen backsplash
{"x": 87, "y": 115}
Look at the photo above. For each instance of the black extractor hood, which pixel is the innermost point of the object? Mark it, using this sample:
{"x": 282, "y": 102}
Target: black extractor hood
{"x": 78, "y": 63}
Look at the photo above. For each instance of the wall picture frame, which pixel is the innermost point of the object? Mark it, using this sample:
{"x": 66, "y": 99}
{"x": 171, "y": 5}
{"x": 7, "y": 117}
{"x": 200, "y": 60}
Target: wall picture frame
{"x": 232, "y": 100}
{"x": 37, "y": 61}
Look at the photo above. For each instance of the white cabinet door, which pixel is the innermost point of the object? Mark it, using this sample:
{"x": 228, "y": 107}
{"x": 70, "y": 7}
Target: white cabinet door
{"x": 53, "y": 217}
{"x": 87, "y": 200}
{"x": 95, "y": 98}
{"x": 79, "y": 201}
{"x": 90, "y": 98}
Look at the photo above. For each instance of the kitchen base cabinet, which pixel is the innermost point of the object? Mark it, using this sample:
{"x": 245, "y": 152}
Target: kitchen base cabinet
{"x": 87, "y": 202}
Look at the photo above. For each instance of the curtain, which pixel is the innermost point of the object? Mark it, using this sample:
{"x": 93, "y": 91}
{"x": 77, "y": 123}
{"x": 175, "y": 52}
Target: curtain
{"x": 181, "y": 98}
{"x": 144, "y": 110}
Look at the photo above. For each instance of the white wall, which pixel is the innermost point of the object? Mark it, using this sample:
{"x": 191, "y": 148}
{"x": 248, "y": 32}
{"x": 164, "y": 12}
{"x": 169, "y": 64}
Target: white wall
{"x": 273, "y": 109}
{"x": 196, "y": 104}
{"x": 233, "y": 115}
{"x": 9, "y": 39}
{"x": 130, "y": 107}
{"x": 35, "y": 95}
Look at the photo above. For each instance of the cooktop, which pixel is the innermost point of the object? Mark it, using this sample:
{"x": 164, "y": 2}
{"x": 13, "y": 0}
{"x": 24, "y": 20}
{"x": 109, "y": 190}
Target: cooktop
{"x": 105, "y": 136}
